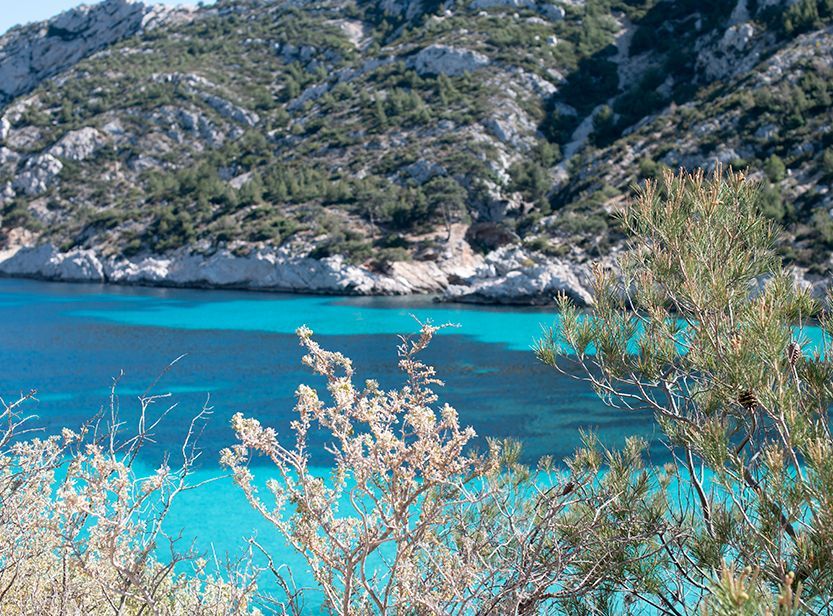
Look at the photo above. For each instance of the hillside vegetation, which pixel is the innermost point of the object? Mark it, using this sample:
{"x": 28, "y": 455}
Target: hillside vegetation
{"x": 407, "y": 130}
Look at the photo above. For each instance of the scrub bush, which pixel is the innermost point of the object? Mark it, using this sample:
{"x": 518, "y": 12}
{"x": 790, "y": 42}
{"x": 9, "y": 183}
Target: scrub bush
{"x": 80, "y": 528}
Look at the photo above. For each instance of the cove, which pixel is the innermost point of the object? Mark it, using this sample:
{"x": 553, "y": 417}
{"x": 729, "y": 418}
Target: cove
{"x": 70, "y": 341}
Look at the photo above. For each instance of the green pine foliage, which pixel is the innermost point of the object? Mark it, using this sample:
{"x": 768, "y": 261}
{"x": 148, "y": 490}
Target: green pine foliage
{"x": 703, "y": 328}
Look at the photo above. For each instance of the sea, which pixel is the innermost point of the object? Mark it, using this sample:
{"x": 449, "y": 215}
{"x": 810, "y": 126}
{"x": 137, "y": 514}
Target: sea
{"x": 237, "y": 351}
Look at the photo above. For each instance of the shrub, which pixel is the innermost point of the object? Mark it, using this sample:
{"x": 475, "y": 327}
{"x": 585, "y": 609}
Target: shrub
{"x": 775, "y": 169}
{"x": 604, "y": 126}
{"x": 827, "y": 161}
{"x": 532, "y": 181}
{"x": 772, "y": 203}
{"x": 411, "y": 520}
{"x": 79, "y": 528}
{"x": 801, "y": 17}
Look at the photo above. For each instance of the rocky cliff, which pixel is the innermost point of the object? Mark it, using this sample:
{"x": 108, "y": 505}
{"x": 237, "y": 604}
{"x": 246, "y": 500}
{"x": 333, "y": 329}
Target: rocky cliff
{"x": 30, "y": 54}
{"x": 472, "y": 148}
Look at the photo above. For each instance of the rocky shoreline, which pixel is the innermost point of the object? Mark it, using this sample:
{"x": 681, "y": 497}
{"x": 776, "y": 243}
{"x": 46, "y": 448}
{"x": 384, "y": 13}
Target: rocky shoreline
{"x": 508, "y": 275}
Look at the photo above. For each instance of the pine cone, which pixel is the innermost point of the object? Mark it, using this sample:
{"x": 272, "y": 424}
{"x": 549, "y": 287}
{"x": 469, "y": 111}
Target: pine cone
{"x": 793, "y": 353}
{"x": 748, "y": 400}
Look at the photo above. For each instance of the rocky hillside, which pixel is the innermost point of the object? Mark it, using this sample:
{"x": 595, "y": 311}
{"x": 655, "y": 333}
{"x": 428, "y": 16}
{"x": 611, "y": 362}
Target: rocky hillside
{"x": 475, "y": 148}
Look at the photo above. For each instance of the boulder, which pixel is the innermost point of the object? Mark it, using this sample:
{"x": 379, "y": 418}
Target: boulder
{"x": 78, "y": 144}
{"x": 553, "y": 12}
{"x": 510, "y": 275}
{"x": 39, "y": 174}
{"x": 423, "y": 170}
{"x": 737, "y": 37}
{"x": 447, "y": 60}
{"x": 8, "y": 156}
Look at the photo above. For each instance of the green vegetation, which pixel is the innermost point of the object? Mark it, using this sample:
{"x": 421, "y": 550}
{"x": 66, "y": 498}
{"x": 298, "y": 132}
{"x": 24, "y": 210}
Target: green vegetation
{"x": 775, "y": 169}
{"x": 743, "y": 404}
{"x": 256, "y": 126}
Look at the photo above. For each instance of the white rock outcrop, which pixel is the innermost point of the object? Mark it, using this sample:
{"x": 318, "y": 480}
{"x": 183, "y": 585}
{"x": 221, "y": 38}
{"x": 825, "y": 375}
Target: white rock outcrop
{"x": 39, "y": 174}
{"x": 8, "y": 156}
{"x": 553, "y": 12}
{"x": 265, "y": 269}
{"x": 512, "y": 275}
{"x": 46, "y": 262}
{"x": 423, "y": 170}
{"x": 30, "y": 54}
{"x": 229, "y": 110}
{"x": 447, "y": 60}
{"x": 735, "y": 52}
{"x": 409, "y": 9}
{"x": 78, "y": 144}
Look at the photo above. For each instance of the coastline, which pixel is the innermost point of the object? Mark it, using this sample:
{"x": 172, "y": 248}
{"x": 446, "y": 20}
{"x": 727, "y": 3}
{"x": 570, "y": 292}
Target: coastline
{"x": 509, "y": 275}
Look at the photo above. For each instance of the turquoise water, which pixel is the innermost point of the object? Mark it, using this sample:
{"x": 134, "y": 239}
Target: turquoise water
{"x": 70, "y": 341}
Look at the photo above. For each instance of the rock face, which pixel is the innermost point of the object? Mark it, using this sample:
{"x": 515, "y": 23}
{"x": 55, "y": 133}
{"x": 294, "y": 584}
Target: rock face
{"x": 733, "y": 53}
{"x": 266, "y": 269}
{"x": 30, "y": 54}
{"x": 46, "y": 262}
{"x": 510, "y": 275}
{"x": 447, "y": 60}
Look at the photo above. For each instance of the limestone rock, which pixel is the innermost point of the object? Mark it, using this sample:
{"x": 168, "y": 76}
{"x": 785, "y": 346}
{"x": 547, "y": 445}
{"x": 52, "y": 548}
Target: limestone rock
{"x": 7, "y": 195}
{"x": 553, "y": 12}
{"x": 512, "y": 127}
{"x": 30, "y": 54}
{"x": 734, "y": 53}
{"x": 78, "y": 144}
{"x": 510, "y": 275}
{"x": 737, "y": 37}
{"x": 46, "y": 262}
{"x": 39, "y": 174}
{"x": 8, "y": 156}
{"x": 312, "y": 93}
{"x": 502, "y": 4}
{"x": 423, "y": 170}
{"x": 408, "y": 9}
{"x": 267, "y": 269}
{"x": 229, "y": 110}
{"x": 447, "y": 60}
